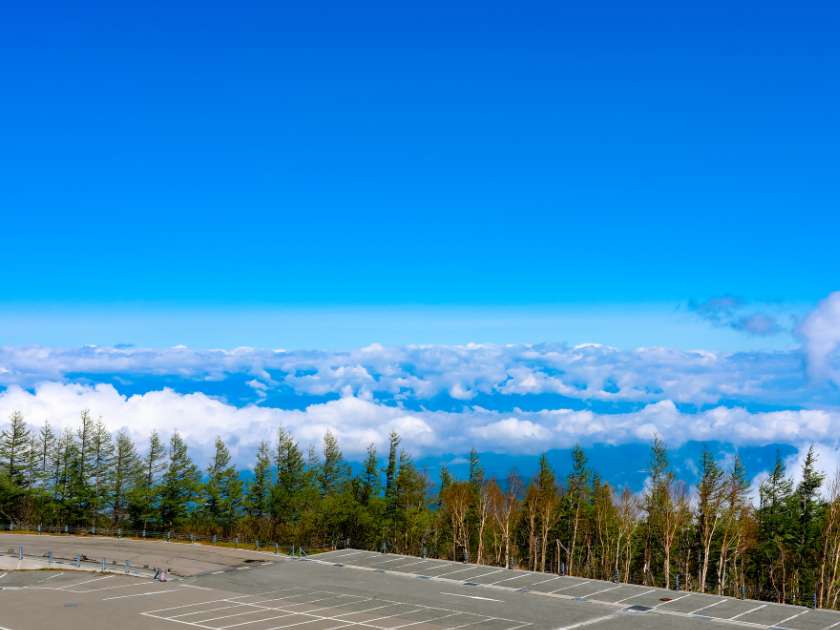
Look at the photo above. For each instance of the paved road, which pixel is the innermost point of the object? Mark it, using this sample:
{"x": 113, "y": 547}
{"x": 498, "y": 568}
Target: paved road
{"x": 349, "y": 588}
{"x": 183, "y": 559}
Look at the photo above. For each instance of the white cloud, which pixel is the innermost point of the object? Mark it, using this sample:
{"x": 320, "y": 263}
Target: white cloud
{"x": 358, "y": 421}
{"x": 820, "y": 332}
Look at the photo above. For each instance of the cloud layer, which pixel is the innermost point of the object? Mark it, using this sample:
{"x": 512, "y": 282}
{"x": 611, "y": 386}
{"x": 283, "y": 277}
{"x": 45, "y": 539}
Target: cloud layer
{"x": 432, "y": 377}
{"x": 358, "y": 422}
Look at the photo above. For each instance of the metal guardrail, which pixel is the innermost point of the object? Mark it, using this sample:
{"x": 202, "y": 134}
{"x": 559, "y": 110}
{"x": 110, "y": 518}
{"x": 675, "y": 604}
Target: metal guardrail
{"x": 78, "y": 561}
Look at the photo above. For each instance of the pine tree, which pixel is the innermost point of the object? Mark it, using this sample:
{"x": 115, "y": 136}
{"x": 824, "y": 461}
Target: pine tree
{"x": 287, "y": 494}
{"x": 102, "y": 461}
{"x": 391, "y": 486}
{"x": 126, "y": 471}
{"x": 370, "y": 484}
{"x": 805, "y": 528}
{"x": 14, "y": 449}
{"x": 222, "y": 492}
{"x": 773, "y": 525}
{"x": 259, "y": 490}
{"x": 332, "y": 469}
{"x": 46, "y": 445}
{"x": 577, "y": 500}
{"x": 145, "y": 495}
{"x": 180, "y": 484}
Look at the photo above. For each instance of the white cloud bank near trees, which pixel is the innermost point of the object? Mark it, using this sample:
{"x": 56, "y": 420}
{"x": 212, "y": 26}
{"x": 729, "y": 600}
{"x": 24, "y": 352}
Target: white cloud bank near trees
{"x": 358, "y": 422}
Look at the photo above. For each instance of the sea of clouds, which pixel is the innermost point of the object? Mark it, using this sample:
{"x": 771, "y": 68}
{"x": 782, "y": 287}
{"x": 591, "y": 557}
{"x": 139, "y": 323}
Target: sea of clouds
{"x": 444, "y": 399}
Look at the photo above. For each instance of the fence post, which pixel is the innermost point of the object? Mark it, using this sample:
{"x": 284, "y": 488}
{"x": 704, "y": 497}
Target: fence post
{"x": 276, "y": 549}
{"x": 128, "y": 566}
{"x": 78, "y": 560}
{"x": 20, "y": 552}
{"x": 103, "y": 565}
{"x": 815, "y": 600}
{"x": 678, "y": 582}
{"x": 49, "y": 558}
{"x": 257, "y": 544}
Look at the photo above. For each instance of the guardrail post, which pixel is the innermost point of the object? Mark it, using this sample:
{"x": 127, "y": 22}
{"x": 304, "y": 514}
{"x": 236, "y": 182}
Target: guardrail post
{"x": 20, "y": 552}
{"x": 78, "y": 560}
{"x": 49, "y": 558}
{"x": 103, "y": 565}
{"x": 276, "y": 549}
{"x": 128, "y": 566}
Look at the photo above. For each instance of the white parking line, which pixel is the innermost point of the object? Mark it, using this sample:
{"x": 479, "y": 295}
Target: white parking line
{"x": 245, "y": 623}
{"x": 405, "y": 566}
{"x": 515, "y": 577}
{"x": 604, "y": 590}
{"x": 589, "y": 622}
{"x": 212, "y": 601}
{"x": 570, "y": 586}
{"x": 114, "y": 588}
{"x": 69, "y": 586}
{"x": 551, "y": 579}
{"x": 747, "y": 612}
{"x": 171, "y": 590}
{"x": 414, "y": 623}
{"x": 478, "y": 577}
{"x": 471, "y": 623}
{"x": 635, "y": 596}
{"x": 694, "y": 612}
{"x": 791, "y": 618}
{"x": 485, "y": 599}
{"x": 671, "y": 601}
{"x": 209, "y": 610}
{"x": 394, "y": 560}
{"x": 51, "y": 577}
{"x": 461, "y": 570}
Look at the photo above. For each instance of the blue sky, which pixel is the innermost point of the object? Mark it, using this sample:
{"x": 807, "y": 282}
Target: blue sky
{"x": 322, "y": 177}
{"x": 442, "y": 154}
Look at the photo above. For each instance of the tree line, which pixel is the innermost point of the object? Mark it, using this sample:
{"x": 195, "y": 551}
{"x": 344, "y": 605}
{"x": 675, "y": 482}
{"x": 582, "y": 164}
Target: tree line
{"x": 710, "y": 538}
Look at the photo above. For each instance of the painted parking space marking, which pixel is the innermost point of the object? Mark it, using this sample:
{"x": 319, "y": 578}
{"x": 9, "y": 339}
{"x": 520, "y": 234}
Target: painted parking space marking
{"x": 478, "y": 597}
{"x": 318, "y": 607}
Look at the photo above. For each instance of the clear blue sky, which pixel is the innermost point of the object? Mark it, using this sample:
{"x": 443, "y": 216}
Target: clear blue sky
{"x": 240, "y": 155}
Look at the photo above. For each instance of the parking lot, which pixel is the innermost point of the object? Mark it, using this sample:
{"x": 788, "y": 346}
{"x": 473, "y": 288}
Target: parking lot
{"x": 351, "y": 588}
